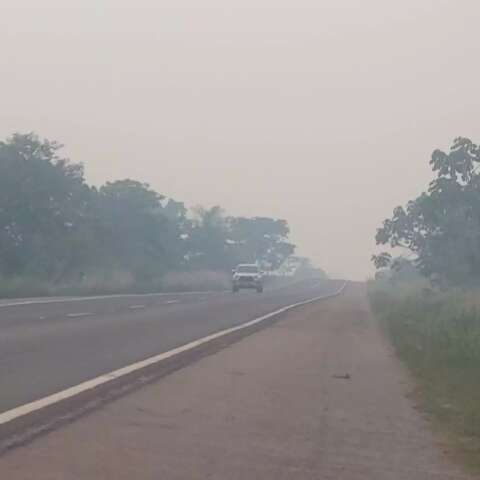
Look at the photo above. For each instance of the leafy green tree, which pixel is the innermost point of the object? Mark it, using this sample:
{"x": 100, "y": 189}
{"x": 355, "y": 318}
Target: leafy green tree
{"x": 135, "y": 226}
{"x": 43, "y": 199}
{"x": 207, "y": 243}
{"x": 260, "y": 239}
{"x": 442, "y": 226}
{"x": 178, "y": 232}
{"x": 56, "y": 228}
{"x": 382, "y": 261}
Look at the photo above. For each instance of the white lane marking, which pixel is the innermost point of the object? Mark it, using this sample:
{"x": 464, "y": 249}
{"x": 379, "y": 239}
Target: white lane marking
{"x": 31, "y": 407}
{"x": 80, "y": 314}
{"x": 136, "y": 307}
{"x": 104, "y": 297}
{"x": 171, "y": 302}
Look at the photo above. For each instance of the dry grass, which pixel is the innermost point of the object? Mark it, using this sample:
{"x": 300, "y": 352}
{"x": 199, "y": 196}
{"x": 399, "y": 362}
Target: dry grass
{"x": 438, "y": 336}
{"x": 115, "y": 282}
{"x": 196, "y": 281}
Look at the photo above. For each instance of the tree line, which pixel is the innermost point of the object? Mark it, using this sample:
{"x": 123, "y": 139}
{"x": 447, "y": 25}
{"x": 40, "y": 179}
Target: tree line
{"x": 57, "y": 228}
{"x": 441, "y": 227}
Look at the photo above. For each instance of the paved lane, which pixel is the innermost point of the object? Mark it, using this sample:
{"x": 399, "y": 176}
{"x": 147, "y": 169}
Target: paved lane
{"x": 46, "y": 347}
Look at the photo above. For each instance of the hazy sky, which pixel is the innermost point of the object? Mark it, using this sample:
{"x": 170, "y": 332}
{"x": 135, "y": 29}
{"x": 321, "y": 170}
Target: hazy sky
{"x": 323, "y": 112}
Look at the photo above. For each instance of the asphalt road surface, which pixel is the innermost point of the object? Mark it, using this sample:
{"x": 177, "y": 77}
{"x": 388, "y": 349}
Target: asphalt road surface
{"x": 47, "y": 346}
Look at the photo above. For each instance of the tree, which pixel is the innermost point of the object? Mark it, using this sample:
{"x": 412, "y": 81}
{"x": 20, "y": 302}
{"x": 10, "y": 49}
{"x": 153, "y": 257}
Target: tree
{"x": 57, "y": 229}
{"x": 207, "y": 243}
{"x": 178, "y": 232}
{"x": 136, "y": 227}
{"x": 383, "y": 260}
{"x": 43, "y": 199}
{"x": 442, "y": 226}
{"x": 260, "y": 239}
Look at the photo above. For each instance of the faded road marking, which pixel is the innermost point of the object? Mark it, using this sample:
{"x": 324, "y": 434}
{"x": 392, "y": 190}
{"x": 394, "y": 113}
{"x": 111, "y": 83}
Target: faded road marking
{"x": 47, "y": 301}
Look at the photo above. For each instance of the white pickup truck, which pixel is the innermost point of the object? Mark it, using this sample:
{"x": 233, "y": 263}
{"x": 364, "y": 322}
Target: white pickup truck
{"x": 247, "y": 276}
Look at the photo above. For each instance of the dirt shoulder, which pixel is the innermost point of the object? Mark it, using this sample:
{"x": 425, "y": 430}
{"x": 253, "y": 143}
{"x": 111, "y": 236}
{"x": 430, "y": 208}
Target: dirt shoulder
{"x": 318, "y": 395}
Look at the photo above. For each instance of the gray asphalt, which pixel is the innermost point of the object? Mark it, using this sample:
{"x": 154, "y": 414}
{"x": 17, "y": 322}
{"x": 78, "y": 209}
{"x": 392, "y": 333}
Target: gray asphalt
{"x": 48, "y": 346}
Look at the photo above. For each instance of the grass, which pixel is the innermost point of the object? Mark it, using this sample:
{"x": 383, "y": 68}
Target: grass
{"x": 437, "y": 335}
{"x": 196, "y": 280}
{"x": 23, "y": 287}
{"x": 105, "y": 283}
{"x": 118, "y": 282}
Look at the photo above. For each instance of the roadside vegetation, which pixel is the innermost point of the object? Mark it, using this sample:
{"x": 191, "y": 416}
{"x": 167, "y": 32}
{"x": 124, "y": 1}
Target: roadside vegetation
{"x": 428, "y": 298}
{"x": 59, "y": 235}
{"x": 437, "y": 335}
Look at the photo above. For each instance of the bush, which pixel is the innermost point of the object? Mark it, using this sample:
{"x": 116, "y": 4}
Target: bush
{"x": 437, "y": 334}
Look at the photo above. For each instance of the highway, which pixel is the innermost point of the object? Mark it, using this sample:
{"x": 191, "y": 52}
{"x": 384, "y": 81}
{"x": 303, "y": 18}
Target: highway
{"x": 316, "y": 395}
{"x": 47, "y": 345}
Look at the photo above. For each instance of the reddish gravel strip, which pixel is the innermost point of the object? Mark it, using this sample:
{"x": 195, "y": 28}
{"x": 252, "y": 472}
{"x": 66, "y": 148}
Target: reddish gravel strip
{"x": 318, "y": 395}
